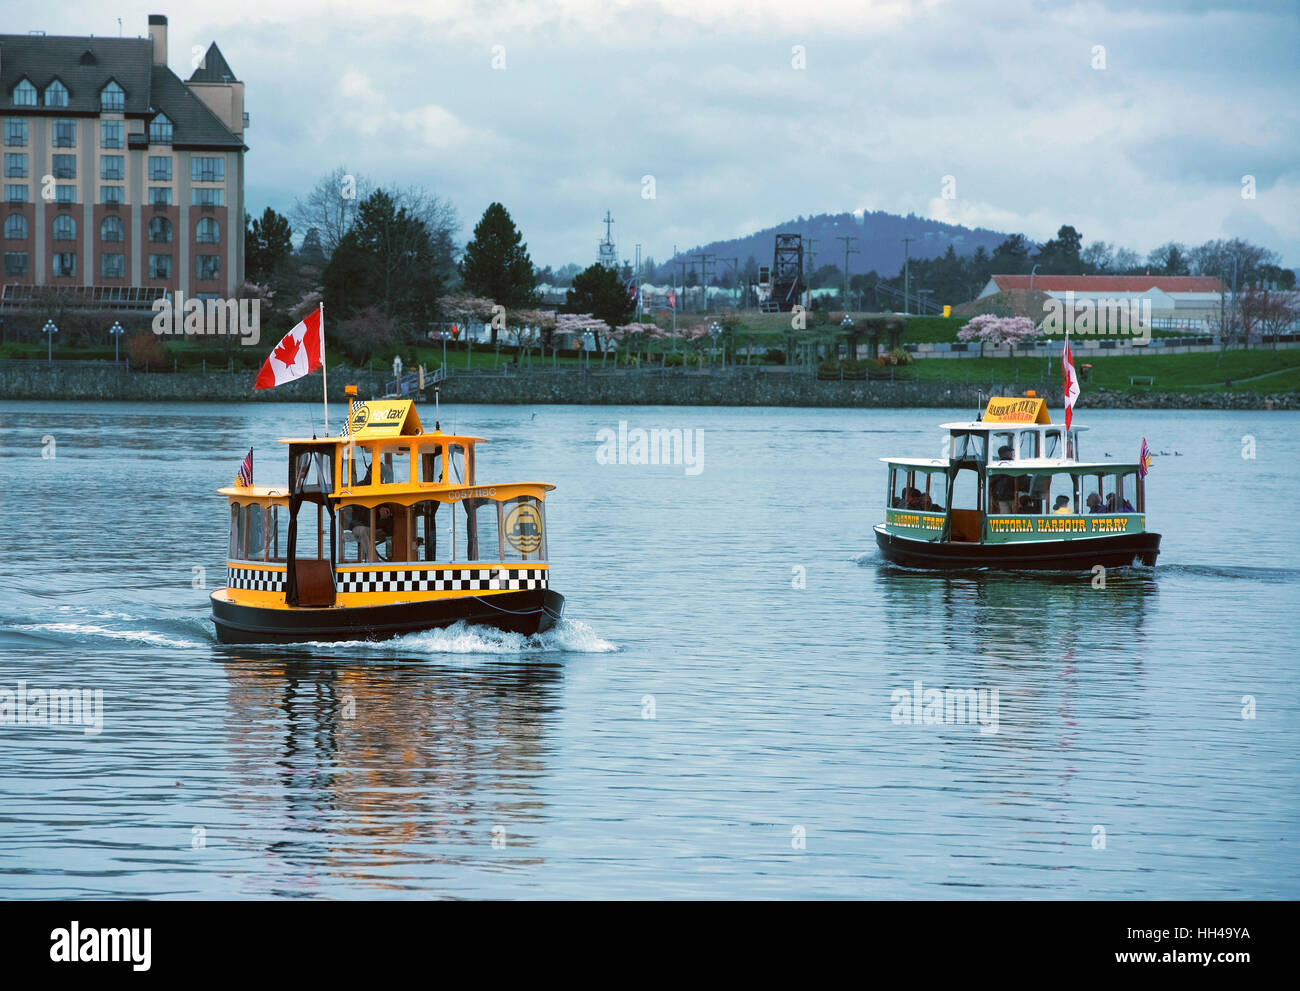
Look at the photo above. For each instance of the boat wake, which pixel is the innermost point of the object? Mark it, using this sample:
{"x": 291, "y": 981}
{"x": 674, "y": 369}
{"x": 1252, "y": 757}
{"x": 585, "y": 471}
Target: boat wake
{"x": 567, "y": 636}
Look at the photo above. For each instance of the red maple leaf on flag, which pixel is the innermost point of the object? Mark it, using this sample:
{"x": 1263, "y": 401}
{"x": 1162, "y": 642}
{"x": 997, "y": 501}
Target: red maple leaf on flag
{"x": 286, "y": 352}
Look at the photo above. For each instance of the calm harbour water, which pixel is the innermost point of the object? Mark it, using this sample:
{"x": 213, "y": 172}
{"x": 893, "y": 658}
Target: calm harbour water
{"x": 771, "y": 766}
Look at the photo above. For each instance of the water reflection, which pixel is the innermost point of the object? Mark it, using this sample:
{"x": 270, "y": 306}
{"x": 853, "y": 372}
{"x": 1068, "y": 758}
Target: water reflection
{"x": 372, "y": 770}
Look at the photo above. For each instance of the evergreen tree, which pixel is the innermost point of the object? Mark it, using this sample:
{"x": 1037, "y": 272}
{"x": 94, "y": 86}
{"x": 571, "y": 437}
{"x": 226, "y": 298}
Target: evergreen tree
{"x": 496, "y": 263}
{"x": 268, "y": 245}
{"x": 599, "y": 291}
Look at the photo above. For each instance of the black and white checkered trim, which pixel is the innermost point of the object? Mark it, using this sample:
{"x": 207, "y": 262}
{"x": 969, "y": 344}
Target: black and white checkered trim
{"x": 257, "y": 579}
{"x": 443, "y": 580}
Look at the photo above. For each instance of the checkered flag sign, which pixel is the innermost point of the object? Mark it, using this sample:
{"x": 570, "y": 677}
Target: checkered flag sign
{"x": 347, "y": 422}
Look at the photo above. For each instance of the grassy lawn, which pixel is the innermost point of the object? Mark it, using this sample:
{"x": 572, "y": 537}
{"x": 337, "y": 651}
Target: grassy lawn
{"x": 1260, "y": 370}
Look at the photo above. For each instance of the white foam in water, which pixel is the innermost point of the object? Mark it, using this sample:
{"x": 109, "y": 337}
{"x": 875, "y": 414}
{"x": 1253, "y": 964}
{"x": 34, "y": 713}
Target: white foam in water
{"x": 462, "y": 638}
{"x": 86, "y": 630}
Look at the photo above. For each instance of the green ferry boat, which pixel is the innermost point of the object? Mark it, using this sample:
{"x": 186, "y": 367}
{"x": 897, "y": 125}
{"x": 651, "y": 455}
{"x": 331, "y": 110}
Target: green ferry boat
{"x": 1012, "y": 492}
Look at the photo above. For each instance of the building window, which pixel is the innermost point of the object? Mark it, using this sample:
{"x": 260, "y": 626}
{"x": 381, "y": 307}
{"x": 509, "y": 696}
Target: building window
{"x": 15, "y": 263}
{"x": 160, "y": 195}
{"x": 65, "y": 166}
{"x": 16, "y": 132}
{"x": 110, "y": 194}
{"x": 160, "y": 266}
{"x": 160, "y": 130}
{"x": 16, "y": 227}
{"x": 110, "y": 133}
{"x": 56, "y": 94}
{"x": 15, "y": 192}
{"x": 16, "y": 165}
{"x": 64, "y": 263}
{"x": 207, "y": 196}
{"x": 110, "y": 229}
{"x": 112, "y": 265}
{"x": 207, "y": 231}
{"x": 160, "y": 230}
{"x": 65, "y": 134}
{"x": 208, "y": 169}
{"x": 65, "y": 194}
{"x": 65, "y": 228}
{"x": 25, "y": 94}
{"x": 160, "y": 168}
{"x": 111, "y": 97}
{"x": 207, "y": 266}
{"x": 111, "y": 167}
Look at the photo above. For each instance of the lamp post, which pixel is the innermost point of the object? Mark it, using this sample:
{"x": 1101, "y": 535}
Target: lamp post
{"x": 117, "y": 332}
{"x": 1031, "y": 277}
{"x": 443, "y": 334}
{"x": 714, "y": 331}
{"x": 845, "y": 324}
{"x": 50, "y": 330}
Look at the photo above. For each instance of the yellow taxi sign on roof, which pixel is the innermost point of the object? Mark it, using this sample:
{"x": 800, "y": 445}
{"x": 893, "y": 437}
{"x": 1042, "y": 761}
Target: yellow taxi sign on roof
{"x": 1006, "y": 409}
{"x": 384, "y": 418}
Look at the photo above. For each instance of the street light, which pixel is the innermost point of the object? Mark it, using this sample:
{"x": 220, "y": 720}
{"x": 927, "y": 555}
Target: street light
{"x": 444, "y": 335}
{"x": 50, "y": 330}
{"x": 117, "y": 332}
{"x": 1031, "y": 277}
{"x": 845, "y": 324}
{"x": 714, "y": 331}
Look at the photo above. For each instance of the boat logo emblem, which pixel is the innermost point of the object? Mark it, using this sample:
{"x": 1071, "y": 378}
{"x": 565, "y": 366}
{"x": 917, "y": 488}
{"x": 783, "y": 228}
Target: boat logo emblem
{"x": 524, "y": 529}
{"x": 361, "y": 417}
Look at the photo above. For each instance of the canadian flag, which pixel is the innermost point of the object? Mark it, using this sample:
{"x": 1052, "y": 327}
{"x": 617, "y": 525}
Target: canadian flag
{"x": 298, "y": 353}
{"x": 1071, "y": 389}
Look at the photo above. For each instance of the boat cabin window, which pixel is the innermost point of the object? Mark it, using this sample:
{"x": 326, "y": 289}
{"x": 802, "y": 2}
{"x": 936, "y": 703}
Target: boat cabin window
{"x": 965, "y": 490}
{"x": 395, "y": 464}
{"x": 431, "y": 465}
{"x": 279, "y": 533}
{"x": 478, "y": 531}
{"x": 379, "y": 534}
{"x": 1028, "y": 444}
{"x": 1052, "y": 444}
{"x": 918, "y": 490}
{"x": 969, "y": 445}
{"x": 523, "y": 529}
{"x": 312, "y": 472}
{"x": 897, "y": 483}
{"x": 456, "y": 465}
{"x": 1002, "y": 445}
{"x": 256, "y": 532}
{"x": 425, "y": 519}
{"x": 1072, "y": 445}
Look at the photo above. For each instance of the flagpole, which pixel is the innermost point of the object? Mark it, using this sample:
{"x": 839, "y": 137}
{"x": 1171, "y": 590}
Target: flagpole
{"x": 324, "y": 380}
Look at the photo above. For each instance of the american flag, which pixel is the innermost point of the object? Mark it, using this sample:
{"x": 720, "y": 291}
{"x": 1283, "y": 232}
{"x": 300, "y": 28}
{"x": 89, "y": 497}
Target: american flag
{"x": 1144, "y": 459}
{"x": 245, "y": 477}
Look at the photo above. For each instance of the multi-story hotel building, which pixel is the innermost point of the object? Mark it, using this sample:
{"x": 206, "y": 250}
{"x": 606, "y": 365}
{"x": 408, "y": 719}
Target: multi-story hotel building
{"x": 120, "y": 180}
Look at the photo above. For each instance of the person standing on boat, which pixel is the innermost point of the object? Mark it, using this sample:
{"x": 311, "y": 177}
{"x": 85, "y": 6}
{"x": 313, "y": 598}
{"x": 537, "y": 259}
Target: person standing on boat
{"x": 1002, "y": 488}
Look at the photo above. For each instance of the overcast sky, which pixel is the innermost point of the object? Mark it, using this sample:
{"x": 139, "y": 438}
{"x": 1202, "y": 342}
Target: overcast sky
{"x": 704, "y": 96}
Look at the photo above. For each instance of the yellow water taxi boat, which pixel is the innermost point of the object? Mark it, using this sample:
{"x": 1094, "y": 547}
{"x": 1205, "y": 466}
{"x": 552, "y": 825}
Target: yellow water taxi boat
{"x": 381, "y": 531}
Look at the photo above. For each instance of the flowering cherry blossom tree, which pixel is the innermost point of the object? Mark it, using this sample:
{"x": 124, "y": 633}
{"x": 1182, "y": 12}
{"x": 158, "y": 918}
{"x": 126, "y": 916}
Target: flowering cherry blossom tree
{"x": 989, "y": 329}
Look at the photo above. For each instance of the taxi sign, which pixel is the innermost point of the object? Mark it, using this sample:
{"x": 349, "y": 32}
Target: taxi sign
{"x": 384, "y": 418}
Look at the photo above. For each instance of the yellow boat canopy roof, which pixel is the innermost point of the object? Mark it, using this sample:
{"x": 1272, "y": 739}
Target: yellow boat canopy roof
{"x": 1003, "y": 409}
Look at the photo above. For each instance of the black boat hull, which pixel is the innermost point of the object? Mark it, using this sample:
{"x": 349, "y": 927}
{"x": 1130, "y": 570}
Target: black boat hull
{"x": 1079, "y": 554}
{"x": 526, "y": 611}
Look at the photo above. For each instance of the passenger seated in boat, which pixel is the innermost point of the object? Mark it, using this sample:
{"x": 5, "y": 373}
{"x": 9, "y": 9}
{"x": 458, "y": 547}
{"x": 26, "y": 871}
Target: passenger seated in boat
{"x": 915, "y": 499}
{"x": 1124, "y": 506}
{"x": 1094, "y": 503}
{"x": 1026, "y": 505}
{"x": 1002, "y": 488}
{"x": 1062, "y": 506}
